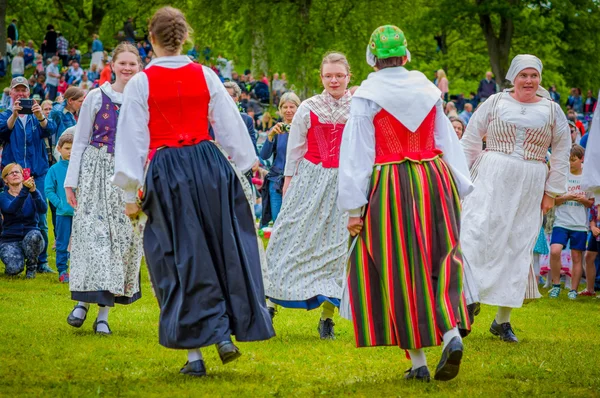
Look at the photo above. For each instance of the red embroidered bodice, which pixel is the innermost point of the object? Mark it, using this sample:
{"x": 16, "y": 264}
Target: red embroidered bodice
{"x": 178, "y": 105}
{"x": 323, "y": 142}
{"x": 395, "y": 143}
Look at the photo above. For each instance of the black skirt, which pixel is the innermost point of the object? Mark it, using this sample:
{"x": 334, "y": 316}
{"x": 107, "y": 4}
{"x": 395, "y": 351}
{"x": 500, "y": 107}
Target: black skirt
{"x": 201, "y": 248}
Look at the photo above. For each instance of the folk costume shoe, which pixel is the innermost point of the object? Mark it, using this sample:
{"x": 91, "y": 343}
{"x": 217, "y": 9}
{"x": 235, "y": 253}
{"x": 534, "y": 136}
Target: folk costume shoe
{"x": 228, "y": 352}
{"x": 195, "y": 368}
{"x": 101, "y": 332}
{"x": 449, "y": 364}
{"x": 504, "y": 331}
{"x": 73, "y": 320}
{"x": 326, "y": 329}
{"x": 419, "y": 374}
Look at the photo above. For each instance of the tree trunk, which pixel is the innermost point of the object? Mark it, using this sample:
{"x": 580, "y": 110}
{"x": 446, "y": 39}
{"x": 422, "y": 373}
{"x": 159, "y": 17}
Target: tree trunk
{"x": 3, "y": 5}
{"x": 498, "y": 46}
{"x": 95, "y": 22}
{"x": 302, "y": 74}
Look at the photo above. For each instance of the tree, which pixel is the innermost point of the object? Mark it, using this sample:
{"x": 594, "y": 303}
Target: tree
{"x": 3, "y": 28}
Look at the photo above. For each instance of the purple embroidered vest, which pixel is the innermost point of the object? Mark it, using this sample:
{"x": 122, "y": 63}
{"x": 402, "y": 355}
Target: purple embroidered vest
{"x": 105, "y": 125}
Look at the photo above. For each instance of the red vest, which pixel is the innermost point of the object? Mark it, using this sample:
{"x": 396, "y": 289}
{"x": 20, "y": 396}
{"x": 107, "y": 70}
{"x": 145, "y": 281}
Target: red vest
{"x": 178, "y": 105}
{"x": 323, "y": 143}
{"x": 395, "y": 143}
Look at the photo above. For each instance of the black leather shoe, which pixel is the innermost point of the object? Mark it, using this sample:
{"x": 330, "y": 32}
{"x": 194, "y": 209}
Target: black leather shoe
{"x": 73, "y": 320}
{"x": 44, "y": 269}
{"x": 505, "y": 331}
{"x": 420, "y": 374}
{"x": 272, "y": 313}
{"x": 473, "y": 310}
{"x": 96, "y": 323}
{"x": 449, "y": 364}
{"x": 228, "y": 352}
{"x": 326, "y": 329}
{"x": 196, "y": 368}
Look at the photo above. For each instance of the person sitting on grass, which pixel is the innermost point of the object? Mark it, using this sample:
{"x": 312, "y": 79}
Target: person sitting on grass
{"x": 55, "y": 192}
{"x": 570, "y": 226}
{"x": 21, "y": 205}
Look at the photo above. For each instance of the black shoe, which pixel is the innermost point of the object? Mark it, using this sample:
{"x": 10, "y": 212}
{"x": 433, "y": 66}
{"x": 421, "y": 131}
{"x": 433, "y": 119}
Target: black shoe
{"x": 271, "y": 312}
{"x": 195, "y": 368}
{"x": 96, "y": 323}
{"x": 420, "y": 374}
{"x": 504, "y": 330}
{"x": 227, "y": 351}
{"x": 473, "y": 310}
{"x": 326, "y": 329}
{"x": 30, "y": 274}
{"x": 44, "y": 269}
{"x": 449, "y": 364}
{"x": 74, "y": 321}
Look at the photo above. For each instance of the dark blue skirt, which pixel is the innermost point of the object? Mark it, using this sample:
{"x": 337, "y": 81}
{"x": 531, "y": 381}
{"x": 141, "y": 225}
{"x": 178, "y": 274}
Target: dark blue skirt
{"x": 201, "y": 248}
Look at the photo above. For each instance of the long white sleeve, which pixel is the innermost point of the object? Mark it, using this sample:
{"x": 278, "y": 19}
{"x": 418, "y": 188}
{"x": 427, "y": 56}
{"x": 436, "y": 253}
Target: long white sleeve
{"x": 357, "y": 156}
{"x": 297, "y": 146}
{"x": 133, "y": 138}
{"x": 81, "y": 138}
{"x": 591, "y": 169}
{"x": 556, "y": 183}
{"x": 447, "y": 141}
{"x": 229, "y": 128}
{"x": 472, "y": 140}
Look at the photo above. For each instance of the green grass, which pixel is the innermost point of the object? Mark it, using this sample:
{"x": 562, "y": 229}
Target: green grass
{"x": 40, "y": 355}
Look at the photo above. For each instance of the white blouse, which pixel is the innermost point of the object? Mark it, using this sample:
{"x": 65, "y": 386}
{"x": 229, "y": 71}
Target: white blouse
{"x": 84, "y": 129}
{"x": 357, "y": 155}
{"x": 133, "y": 139}
{"x": 524, "y": 116}
{"x": 591, "y": 171}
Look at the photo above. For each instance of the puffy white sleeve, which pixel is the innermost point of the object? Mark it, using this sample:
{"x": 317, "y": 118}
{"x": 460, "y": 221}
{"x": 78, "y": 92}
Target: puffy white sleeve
{"x": 447, "y": 141}
{"x": 472, "y": 140}
{"x": 591, "y": 170}
{"x": 556, "y": 182}
{"x": 229, "y": 128}
{"x": 133, "y": 137}
{"x": 357, "y": 156}
{"x": 83, "y": 133}
{"x": 297, "y": 146}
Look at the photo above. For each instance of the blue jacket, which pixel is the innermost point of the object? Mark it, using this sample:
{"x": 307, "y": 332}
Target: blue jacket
{"x": 97, "y": 46}
{"x": 20, "y": 213}
{"x": 55, "y": 190}
{"x": 26, "y": 146}
{"x": 63, "y": 119}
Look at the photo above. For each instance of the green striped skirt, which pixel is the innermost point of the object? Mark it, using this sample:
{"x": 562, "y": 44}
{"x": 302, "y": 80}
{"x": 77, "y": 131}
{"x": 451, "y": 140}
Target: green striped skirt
{"x": 405, "y": 276}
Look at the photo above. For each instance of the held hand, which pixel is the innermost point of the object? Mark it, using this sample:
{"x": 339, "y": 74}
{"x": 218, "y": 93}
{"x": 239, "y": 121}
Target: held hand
{"x": 16, "y": 108}
{"x": 132, "y": 210}
{"x": 275, "y": 130}
{"x": 30, "y": 184}
{"x": 71, "y": 198}
{"x": 286, "y": 185}
{"x": 547, "y": 203}
{"x": 37, "y": 111}
{"x": 595, "y": 231}
{"x": 255, "y": 166}
{"x": 355, "y": 225}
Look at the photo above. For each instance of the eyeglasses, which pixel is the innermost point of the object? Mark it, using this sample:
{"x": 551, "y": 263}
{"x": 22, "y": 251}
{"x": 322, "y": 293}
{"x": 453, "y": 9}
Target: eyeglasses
{"x": 337, "y": 77}
{"x": 14, "y": 173}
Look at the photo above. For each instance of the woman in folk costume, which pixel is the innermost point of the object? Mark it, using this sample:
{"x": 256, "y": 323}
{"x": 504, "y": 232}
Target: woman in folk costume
{"x": 106, "y": 254}
{"x": 591, "y": 172}
{"x": 200, "y": 240}
{"x": 513, "y": 187}
{"x": 309, "y": 243}
{"x": 402, "y": 159}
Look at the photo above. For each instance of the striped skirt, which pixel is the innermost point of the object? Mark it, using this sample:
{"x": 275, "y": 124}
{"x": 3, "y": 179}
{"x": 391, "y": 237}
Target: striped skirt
{"x": 405, "y": 276}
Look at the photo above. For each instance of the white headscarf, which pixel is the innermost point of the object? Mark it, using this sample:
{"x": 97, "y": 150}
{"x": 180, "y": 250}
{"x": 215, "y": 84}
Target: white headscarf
{"x": 524, "y": 61}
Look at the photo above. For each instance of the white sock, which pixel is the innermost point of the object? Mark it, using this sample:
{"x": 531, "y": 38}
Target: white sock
{"x": 417, "y": 358}
{"x": 449, "y": 335}
{"x": 327, "y": 311}
{"x": 103, "y": 316}
{"x": 78, "y": 312}
{"x": 503, "y": 315}
{"x": 194, "y": 355}
{"x": 271, "y": 304}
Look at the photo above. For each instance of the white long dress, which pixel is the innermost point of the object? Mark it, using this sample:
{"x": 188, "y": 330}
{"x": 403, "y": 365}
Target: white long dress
{"x": 501, "y": 218}
{"x": 591, "y": 171}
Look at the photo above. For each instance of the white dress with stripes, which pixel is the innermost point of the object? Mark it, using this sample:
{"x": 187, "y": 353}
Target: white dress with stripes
{"x": 501, "y": 218}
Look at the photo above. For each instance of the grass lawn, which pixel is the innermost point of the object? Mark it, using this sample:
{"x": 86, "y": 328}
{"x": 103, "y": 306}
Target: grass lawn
{"x": 41, "y": 355}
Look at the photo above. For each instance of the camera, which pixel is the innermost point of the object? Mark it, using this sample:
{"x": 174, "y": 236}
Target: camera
{"x": 286, "y": 127}
{"x": 26, "y": 104}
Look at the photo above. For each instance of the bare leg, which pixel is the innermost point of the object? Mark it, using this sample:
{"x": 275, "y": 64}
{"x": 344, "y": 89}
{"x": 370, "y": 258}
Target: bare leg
{"x": 577, "y": 271}
{"x": 590, "y": 270}
{"x": 555, "y": 263}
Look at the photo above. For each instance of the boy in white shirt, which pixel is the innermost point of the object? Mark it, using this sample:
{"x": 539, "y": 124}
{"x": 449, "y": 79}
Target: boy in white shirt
{"x": 570, "y": 226}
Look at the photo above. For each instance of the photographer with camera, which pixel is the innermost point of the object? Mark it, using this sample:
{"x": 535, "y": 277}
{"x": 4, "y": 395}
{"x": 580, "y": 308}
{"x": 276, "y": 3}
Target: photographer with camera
{"x": 23, "y": 130}
{"x": 276, "y": 146}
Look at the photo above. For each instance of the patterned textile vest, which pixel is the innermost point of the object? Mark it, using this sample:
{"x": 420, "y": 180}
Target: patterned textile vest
{"x": 323, "y": 143}
{"x": 105, "y": 124}
{"x": 395, "y": 143}
{"x": 502, "y": 136}
{"x": 178, "y": 105}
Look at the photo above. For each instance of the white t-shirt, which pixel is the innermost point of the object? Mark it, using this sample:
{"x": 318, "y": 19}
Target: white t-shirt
{"x": 572, "y": 215}
{"x": 49, "y": 79}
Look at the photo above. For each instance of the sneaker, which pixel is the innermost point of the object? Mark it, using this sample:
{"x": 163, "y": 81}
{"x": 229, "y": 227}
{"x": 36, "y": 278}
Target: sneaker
{"x": 572, "y": 295}
{"x": 587, "y": 293}
{"x": 63, "y": 277}
{"x": 30, "y": 274}
{"x": 44, "y": 269}
{"x": 554, "y": 292}
{"x": 326, "y": 329}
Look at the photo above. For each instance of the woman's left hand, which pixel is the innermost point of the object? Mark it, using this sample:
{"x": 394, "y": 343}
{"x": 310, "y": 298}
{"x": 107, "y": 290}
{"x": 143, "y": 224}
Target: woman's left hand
{"x": 132, "y": 210}
{"x": 355, "y": 225}
{"x": 547, "y": 203}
